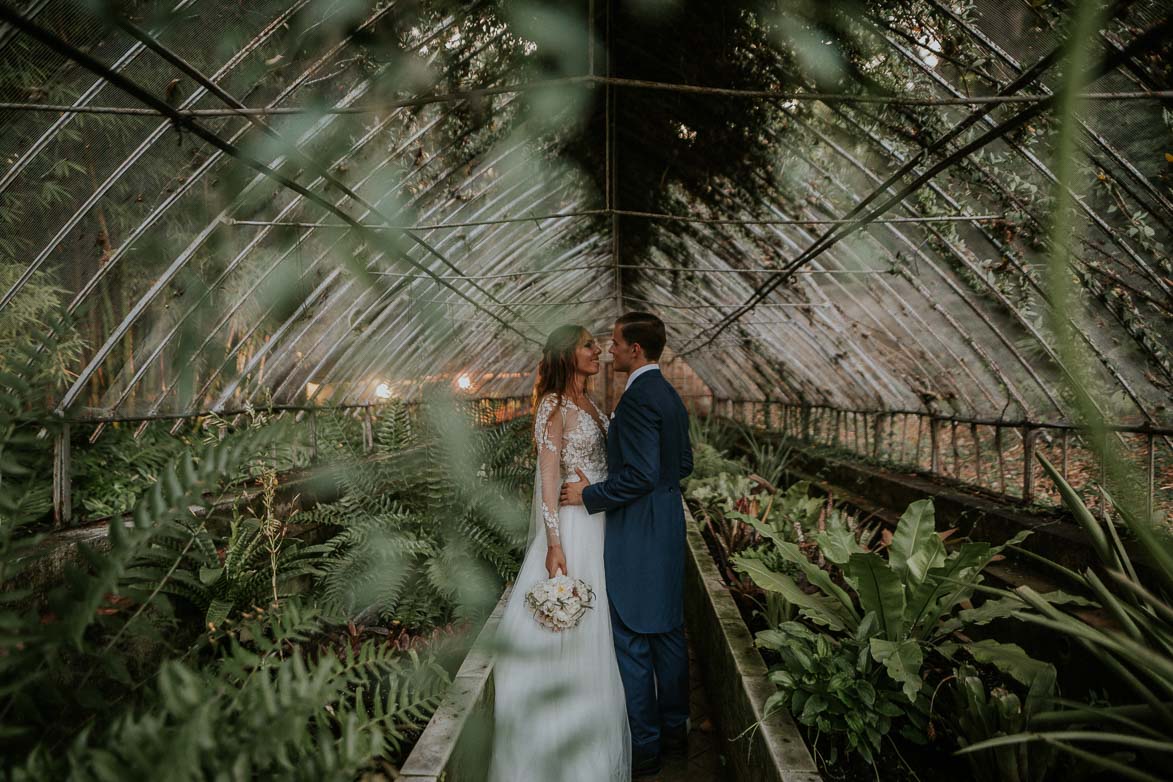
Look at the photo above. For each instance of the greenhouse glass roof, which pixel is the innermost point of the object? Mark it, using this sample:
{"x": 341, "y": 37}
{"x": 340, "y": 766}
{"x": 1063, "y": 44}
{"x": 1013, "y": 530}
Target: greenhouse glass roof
{"x": 848, "y": 205}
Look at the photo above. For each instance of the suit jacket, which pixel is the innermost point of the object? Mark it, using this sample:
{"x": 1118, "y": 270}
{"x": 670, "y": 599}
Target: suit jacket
{"x": 648, "y": 453}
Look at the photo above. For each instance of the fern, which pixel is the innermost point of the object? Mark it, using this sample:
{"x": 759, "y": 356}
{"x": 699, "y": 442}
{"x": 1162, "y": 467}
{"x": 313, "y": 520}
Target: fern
{"x": 405, "y": 521}
{"x": 322, "y": 717}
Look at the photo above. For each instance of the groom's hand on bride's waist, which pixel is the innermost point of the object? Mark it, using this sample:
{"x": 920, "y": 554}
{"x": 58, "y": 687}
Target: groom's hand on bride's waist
{"x": 572, "y": 492}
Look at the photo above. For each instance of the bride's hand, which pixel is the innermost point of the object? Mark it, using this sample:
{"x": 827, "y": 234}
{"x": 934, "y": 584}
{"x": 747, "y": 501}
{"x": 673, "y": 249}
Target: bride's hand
{"x": 555, "y": 560}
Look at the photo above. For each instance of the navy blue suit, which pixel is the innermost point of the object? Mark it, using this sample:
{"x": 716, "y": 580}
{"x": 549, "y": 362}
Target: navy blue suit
{"x": 648, "y": 453}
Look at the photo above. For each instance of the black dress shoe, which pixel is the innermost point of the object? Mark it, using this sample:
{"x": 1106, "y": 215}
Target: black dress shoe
{"x": 675, "y": 742}
{"x": 645, "y": 766}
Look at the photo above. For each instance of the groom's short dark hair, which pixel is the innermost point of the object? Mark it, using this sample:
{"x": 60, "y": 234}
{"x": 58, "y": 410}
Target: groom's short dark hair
{"x": 646, "y": 330}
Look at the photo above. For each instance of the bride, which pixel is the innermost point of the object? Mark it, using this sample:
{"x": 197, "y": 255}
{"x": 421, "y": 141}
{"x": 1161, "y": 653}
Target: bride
{"x": 559, "y": 709}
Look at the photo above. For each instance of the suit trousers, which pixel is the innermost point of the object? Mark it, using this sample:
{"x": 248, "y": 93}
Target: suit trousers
{"x": 654, "y": 669}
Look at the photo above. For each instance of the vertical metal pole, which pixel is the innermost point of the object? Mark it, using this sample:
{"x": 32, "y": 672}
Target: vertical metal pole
{"x": 591, "y": 37}
{"x": 1104, "y": 459}
{"x": 368, "y": 436}
{"x": 1104, "y": 475}
{"x": 1001, "y": 458}
{"x": 805, "y": 413}
{"x": 920, "y": 422}
{"x": 611, "y": 153}
{"x": 314, "y": 434}
{"x": 1065, "y": 434}
{"x": 903, "y": 437}
{"x": 1152, "y": 478}
{"x": 956, "y": 453}
{"x": 62, "y": 480}
{"x": 935, "y": 445}
{"x": 977, "y": 452}
{"x": 877, "y": 435}
{"x": 1028, "y": 457}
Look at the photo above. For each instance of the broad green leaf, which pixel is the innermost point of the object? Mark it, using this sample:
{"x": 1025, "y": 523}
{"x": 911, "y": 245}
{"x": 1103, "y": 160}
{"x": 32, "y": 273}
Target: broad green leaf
{"x": 818, "y": 608}
{"x": 814, "y": 574}
{"x": 916, "y": 549}
{"x": 1006, "y": 607}
{"x": 939, "y": 592}
{"x": 902, "y": 661}
{"x": 1011, "y": 660}
{"x": 1014, "y": 541}
{"x": 837, "y": 544}
{"x": 880, "y": 591}
{"x": 209, "y": 575}
{"x": 218, "y": 611}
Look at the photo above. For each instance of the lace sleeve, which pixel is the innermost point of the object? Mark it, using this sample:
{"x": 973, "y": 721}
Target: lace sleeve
{"x": 549, "y": 426}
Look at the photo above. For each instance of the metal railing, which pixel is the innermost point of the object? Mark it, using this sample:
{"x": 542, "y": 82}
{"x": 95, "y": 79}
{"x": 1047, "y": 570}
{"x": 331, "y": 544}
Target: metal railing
{"x": 997, "y": 456}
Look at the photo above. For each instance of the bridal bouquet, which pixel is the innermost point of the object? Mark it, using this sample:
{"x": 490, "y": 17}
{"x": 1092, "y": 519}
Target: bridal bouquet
{"x": 559, "y": 603}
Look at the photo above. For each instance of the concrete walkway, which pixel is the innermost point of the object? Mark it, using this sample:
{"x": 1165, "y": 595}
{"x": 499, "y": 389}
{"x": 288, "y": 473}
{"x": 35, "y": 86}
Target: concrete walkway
{"x": 704, "y": 762}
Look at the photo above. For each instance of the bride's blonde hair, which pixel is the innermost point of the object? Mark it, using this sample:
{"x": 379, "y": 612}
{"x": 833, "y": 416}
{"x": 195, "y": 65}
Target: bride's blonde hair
{"x": 557, "y": 365}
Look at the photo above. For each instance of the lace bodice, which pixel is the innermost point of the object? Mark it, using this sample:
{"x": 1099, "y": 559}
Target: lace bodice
{"x": 568, "y": 438}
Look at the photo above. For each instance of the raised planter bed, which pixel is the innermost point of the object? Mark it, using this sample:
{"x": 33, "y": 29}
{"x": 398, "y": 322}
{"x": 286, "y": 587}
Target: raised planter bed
{"x": 456, "y": 742}
{"x": 1056, "y": 535}
{"x": 734, "y": 674}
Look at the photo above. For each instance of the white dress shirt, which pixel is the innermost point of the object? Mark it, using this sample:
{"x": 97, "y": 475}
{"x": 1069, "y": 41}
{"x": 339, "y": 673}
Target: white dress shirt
{"x": 645, "y": 368}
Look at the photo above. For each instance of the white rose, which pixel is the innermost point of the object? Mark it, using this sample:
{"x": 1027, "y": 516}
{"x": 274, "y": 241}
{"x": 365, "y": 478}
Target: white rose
{"x": 561, "y": 616}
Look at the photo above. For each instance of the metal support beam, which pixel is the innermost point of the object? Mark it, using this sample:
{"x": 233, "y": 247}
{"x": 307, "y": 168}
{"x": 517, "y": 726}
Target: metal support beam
{"x": 62, "y": 480}
{"x": 1028, "y": 466}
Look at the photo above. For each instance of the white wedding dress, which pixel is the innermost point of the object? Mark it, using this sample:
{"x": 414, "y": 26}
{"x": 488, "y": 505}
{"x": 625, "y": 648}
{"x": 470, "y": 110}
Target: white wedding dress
{"x": 559, "y": 711}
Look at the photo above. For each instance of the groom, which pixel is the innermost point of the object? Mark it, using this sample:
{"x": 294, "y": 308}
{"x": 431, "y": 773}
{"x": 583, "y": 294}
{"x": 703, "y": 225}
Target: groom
{"x": 648, "y": 453}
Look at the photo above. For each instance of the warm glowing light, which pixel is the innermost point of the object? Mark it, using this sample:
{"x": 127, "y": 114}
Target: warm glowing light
{"x": 465, "y": 382}
{"x": 311, "y": 389}
{"x": 383, "y": 391}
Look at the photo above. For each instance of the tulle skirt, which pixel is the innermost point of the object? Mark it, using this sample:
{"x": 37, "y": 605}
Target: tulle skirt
{"x": 559, "y": 710}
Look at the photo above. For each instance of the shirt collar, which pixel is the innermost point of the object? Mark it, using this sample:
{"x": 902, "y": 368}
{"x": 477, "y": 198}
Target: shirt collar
{"x": 645, "y": 368}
